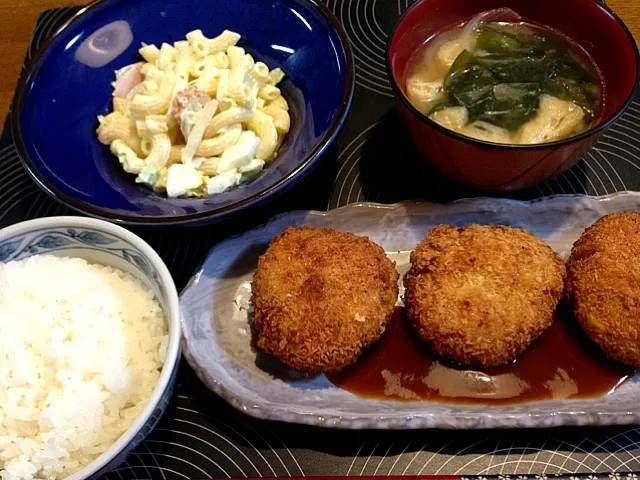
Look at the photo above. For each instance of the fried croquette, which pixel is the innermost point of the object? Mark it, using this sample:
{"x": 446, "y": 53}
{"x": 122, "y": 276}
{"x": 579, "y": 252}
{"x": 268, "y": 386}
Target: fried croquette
{"x": 321, "y": 297}
{"x": 603, "y": 285}
{"x": 480, "y": 295}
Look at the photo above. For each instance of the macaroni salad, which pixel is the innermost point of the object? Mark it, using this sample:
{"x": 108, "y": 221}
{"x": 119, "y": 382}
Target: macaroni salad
{"x": 197, "y": 117}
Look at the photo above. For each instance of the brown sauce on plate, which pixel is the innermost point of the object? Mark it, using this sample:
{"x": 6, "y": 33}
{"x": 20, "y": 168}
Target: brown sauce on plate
{"x": 561, "y": 364}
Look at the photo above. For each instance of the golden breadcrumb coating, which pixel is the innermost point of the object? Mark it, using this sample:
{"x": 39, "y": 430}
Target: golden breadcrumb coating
{"x": 321, "y": 297}
{"x": 480, "y": 295}
{"x": 603, "y": 285}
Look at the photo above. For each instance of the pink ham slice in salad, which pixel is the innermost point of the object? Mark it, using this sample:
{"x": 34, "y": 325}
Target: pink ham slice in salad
{"x": 127, "y": 78}
{"x": 186, "y": 106}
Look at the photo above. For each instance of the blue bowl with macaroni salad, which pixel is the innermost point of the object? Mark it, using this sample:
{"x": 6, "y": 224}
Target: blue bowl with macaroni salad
{"x": 68, "y": 83}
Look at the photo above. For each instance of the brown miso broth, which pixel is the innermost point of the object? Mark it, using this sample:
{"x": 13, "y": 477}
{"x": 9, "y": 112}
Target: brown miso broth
{"x": 509, "y": 82}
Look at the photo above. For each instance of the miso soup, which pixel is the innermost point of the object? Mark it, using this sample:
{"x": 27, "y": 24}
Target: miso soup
{"x": 500, "y": 79}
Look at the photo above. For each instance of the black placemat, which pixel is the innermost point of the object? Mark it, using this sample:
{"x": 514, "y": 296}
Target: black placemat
{"x": 201, "y": 436}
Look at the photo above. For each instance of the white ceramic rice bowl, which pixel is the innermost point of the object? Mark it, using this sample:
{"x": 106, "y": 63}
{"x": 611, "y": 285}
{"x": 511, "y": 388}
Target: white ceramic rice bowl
{"x": 101, "y": 242}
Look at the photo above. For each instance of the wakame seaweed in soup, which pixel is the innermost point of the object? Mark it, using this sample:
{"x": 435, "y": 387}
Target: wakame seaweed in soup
{"x": 505, "y": 82}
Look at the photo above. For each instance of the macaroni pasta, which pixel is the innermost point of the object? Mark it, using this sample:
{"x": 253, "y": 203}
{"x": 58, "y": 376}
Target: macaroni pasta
{"x": 195, "y": 118}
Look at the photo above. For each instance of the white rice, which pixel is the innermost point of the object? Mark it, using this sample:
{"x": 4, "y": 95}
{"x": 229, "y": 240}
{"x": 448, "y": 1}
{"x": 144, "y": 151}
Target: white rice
{"x": 81, "y": 349}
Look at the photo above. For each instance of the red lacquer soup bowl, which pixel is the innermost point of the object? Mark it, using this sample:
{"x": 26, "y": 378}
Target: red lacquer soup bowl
{"x": 496, "y": 167}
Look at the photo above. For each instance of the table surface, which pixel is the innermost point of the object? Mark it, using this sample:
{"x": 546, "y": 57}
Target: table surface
{"x": 18, "y": 17}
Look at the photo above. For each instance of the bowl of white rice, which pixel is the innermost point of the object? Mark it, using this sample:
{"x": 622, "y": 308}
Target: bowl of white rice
{"x": 89, "y": 346}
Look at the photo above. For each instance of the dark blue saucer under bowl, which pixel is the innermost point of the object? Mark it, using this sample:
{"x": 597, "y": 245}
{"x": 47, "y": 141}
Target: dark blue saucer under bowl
{"x": 67, "y": 84}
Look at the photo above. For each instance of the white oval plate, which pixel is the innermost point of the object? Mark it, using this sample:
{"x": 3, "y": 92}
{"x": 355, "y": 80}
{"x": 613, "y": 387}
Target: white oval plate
{"x": 217, "y": 335}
